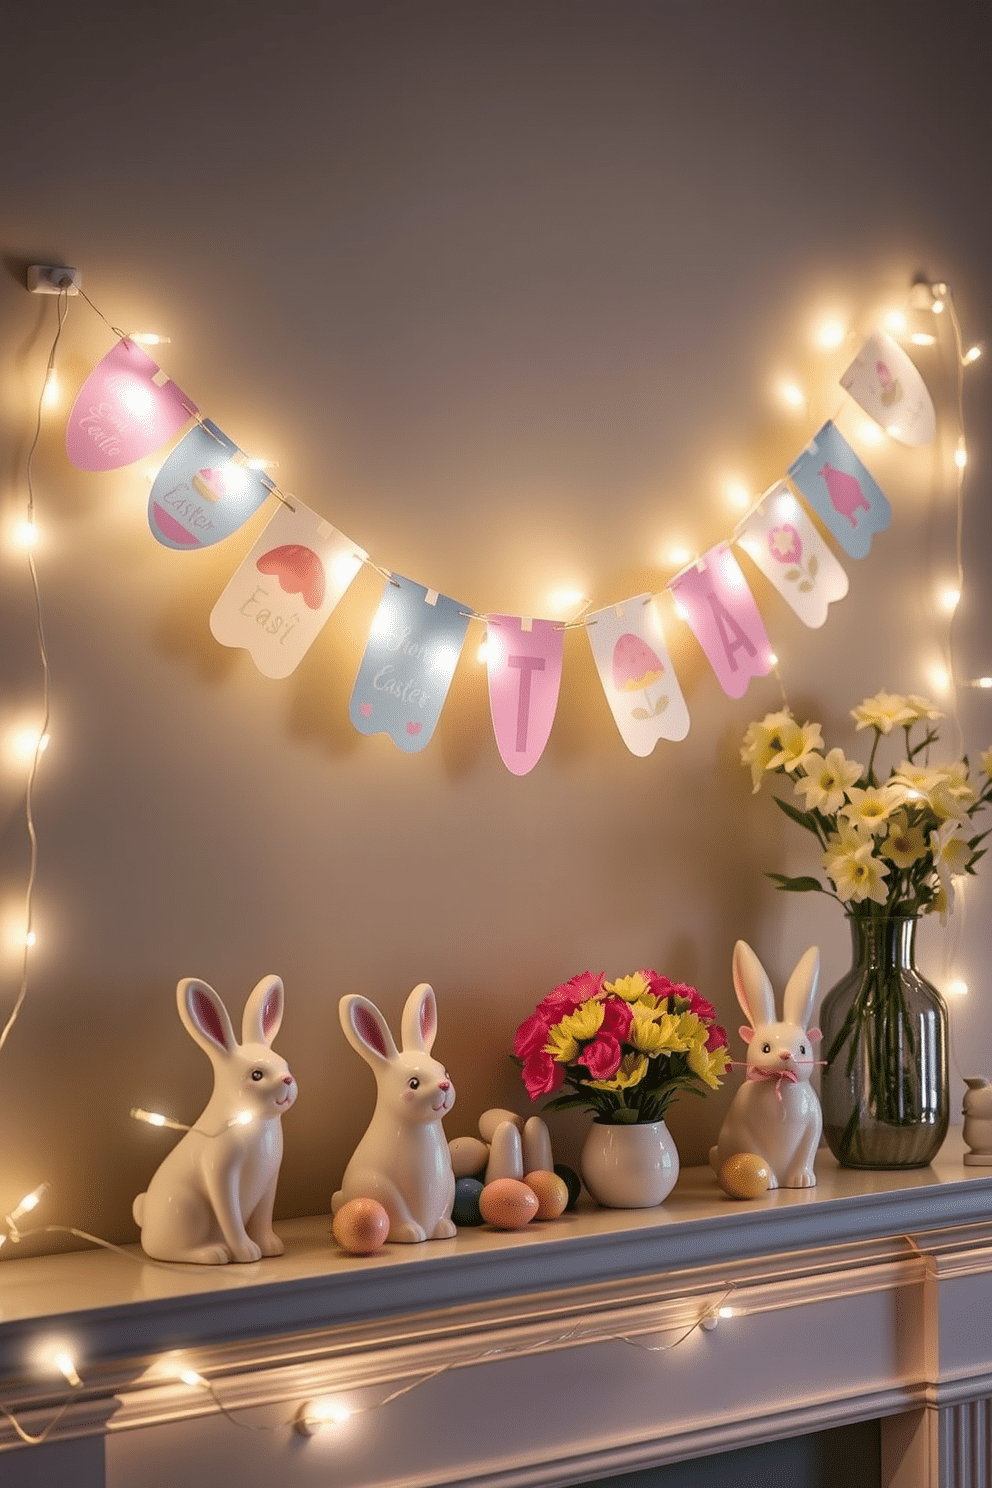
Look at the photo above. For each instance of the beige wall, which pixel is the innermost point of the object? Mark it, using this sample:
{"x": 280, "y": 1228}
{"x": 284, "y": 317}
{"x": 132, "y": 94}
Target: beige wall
{"x": 502, "y": 287}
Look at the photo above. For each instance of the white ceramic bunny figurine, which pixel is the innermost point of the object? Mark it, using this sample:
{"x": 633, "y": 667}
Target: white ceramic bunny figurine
{"x": 403, "y": 1159}
{"x": 211, "y": 1199}
{"x": 776, "y": 1113}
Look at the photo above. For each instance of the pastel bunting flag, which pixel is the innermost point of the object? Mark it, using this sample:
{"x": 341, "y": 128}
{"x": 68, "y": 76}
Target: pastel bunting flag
{"x": 410, "y": 659}
{"x": 523, "y": 660}
{"x": 782, "y": 542}
{"x": 841, "y": 491}
{"x": 889, "y": 388}
{"x": 714, "y": 600}
{"x": 205, "y": 490}
{"x": 628, "y": 645}
{"x": 125, "y": 409}
{"x": 277, "y": 602}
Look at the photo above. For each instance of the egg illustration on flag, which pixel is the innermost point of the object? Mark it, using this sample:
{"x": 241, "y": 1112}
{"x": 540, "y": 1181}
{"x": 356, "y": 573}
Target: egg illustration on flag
{"x": 298, "y": 570}
{"x": 204, "y": 491}
{"x": 636, "y": 668}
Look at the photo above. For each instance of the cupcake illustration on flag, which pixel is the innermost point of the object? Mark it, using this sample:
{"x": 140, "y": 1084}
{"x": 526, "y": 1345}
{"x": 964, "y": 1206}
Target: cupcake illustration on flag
{"x": 636, "y": 668}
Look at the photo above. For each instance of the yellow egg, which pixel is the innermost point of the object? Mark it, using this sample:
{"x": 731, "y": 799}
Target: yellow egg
{"x": 745, "y": 1175}
{"x": 508, "y": 1204}
{"x": 551, "y": 1191}
{"x": 361, "y": 1226}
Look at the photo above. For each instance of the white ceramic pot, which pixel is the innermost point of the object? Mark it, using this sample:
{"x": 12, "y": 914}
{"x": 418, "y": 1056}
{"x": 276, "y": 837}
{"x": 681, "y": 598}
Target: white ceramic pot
{"x": 629, "y": 1167}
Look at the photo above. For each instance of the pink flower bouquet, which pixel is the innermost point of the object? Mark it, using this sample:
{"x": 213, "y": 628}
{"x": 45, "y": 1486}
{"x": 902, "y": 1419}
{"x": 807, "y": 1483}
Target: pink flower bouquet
{"x": 623, "y": 1049}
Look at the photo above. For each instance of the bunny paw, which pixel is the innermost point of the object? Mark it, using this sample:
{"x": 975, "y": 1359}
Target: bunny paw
{"x": 443, "y": 1230}
{"x": 248, "y": 1250}
{"x": 409, "y": 1232}
{"x": 803, "y": 1178}
{"x": 270, "y": 1244}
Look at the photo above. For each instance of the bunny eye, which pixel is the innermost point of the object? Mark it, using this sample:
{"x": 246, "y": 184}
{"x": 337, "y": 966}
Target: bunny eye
{"x": 258, "y": 1074}
{"x": 413, "y": 1084}
{"x": 802, "y": 1048}
{"x": 766, "y": 1048}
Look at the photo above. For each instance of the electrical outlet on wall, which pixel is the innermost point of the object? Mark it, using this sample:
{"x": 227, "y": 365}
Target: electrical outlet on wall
{"x": 53, "y": 279}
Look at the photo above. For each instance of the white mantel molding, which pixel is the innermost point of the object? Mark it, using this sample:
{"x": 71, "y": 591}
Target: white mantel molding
{"x": 868, "y": 1296}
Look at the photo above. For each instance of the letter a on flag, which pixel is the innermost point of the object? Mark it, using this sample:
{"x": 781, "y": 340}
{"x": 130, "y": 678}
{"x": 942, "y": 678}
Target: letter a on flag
{"x": 523, "y": 659}
{"x": 718, "y": 607}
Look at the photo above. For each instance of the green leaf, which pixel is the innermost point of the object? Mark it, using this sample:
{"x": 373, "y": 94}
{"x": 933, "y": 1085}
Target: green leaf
{"x": 804, "y": 818}
{"x": 639, "y": 713}
{"x": 803, "y": 885}
{"x": 813, "y": 566}
{"x": 792, "y": 574}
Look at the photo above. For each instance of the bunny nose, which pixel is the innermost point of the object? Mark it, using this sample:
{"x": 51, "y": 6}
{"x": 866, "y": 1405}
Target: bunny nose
{"x": 784, "y": 1054}
{"x": 444, "y": 1085}
{"x": 287, "y": 1079}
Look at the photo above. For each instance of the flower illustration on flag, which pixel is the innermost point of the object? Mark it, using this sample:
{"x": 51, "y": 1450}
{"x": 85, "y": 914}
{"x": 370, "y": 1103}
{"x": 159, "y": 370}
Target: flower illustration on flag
{"x": 786, "y": 546}
{"x": 636, "y": 668}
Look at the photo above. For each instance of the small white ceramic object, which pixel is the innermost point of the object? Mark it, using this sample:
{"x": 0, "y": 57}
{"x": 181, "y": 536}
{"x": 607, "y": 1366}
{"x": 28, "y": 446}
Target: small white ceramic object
{"x": 506, "y": 1153}
{"x": 403, "y": 1160}
{"x": 629, "y": 1167}
{"x": 978, "y": 1121}
{"x": 538, "y": 1157}
{"x": 211, "y": 1199}
{"x": 776, "y": 1113}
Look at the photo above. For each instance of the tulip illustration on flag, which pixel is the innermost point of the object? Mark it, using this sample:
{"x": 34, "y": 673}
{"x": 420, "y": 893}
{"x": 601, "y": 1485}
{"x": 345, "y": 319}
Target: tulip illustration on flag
{"x": 782, "y": 542}
{"x": 628, "y": 645}
{"x": 889, "y": 388}
{"x": 713, "y": 598}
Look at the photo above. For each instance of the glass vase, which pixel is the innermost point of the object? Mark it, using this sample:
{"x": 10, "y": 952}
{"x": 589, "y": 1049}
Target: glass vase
{"x": 884, "y": 1091}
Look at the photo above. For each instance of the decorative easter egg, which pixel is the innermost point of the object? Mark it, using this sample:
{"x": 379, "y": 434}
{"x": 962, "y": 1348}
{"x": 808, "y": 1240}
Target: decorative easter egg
{"x": 551, "y": 1191}
{"x": 508, "y": 1204}
{"x": 745, "y": 1175}
{"x": 490, "y": 1120}
{"x": 572, "y": 1182}
{"x": 465, "y": 1210}
{"x": 361, "y": 1226}
{"x": 468, "y": 1156}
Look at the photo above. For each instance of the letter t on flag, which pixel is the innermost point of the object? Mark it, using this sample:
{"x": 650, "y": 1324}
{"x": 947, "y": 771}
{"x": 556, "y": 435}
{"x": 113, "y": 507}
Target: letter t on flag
{"x": 523, "y": 659}
{"x": 715, "y": 602}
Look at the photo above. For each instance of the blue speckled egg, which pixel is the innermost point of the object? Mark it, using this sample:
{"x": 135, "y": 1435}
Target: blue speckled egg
{"x": 466, "y": 1205}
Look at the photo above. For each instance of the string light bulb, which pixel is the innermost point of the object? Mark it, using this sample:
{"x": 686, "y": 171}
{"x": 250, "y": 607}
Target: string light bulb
{"x": 26, "y": 534}
{"x": 961, "y": 454}
{"x": 950, "y": 598}
{"x": 971, "y": 355}
{"x": 829, "y": 333}
{"x": 67, "y": 1366}
{"x": 315, "y": 1415}
{"x": 791, "y": 395}
{"x": 52, "y": 391}
{"x": 957, "y": 988}
{"x": 149, "y": 338}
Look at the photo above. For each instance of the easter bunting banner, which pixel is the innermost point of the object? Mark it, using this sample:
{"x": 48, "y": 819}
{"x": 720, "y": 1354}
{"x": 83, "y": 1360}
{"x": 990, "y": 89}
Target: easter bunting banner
{"x": 300, "y": 567}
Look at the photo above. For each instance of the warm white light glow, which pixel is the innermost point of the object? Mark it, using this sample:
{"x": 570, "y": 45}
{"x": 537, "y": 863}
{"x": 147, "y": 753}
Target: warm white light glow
{"x": 565, "y": 601}
{"x": 30, "y": 1201}
{"x": 950, "y": 598}
{"x": 24, "y": 743}
{"x": 971, "y": 355}
{"x": 791, "y": 395}
{"x": 65, "y": 1363}
{"x": 244, "y": 1118}
{"x": 482, "y": 653}
{"x": 938, "y": 307}
{"x": 155, "y": 1118}
{"x": 257, "y": 463}
{"x": 829, "y": 333}
{"x": 149, "y": 338}
{"x": 773, "y": 659}
{"x": 725, "y": 1312}
{"x": 982, "y": 682}
{"x": 870, "y": 433}
{"x": 923, "y": 338}
{"x": 679, "y": 555}
{"x": 680, "y": 610}
{"x": 30, "y": 939}
{"x": 961, "y": 454}
{"x": 314, "y": 1415}
{"x": 957, "y": 988}
{"x": 895, "y": 320}
{"x": 737, "y": 494}
{"x": 194, "y": 1380}
{"x": 26, "y": 534}
{"x": 940, "y": 679}
{"x": 52, "y": 391}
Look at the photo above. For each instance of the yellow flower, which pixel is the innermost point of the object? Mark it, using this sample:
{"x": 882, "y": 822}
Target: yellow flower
{"x": 986, "y": 758}
{"x": 825, "y": 784}
{"x": 904, "y": 845}
{"x": 765, "y": 744}
{"x": 662, "y": 1032}
{"x": 565, "y": 1040}
{"x": 868, "y": 810}
{"x": 709, "y": 1067}
{"x": 856, "y": 873}
{"x": 633, "y": 1068}
{"x": 630, "y": 988}
{"x": 884, "y": 712}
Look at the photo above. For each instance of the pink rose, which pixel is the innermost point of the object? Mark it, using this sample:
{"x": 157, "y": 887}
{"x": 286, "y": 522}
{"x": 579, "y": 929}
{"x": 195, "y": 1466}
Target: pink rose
{"x": 716, "y": 1039}
{"x": 571, "y": 994}
{"x": 601, "y": 1057}
{"x": 541, "y": 1075}
{"x": 617, "y": 1018}
{"x": 531, "y": 1036}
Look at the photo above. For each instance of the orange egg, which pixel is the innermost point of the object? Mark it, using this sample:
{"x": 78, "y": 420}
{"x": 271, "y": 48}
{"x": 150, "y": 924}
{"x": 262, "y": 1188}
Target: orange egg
{"x": 551, "y": 1191}
{"x": 361, "y": 1226}
{"x": 745, "y": 1175}
{"x": 508, "y": 1204}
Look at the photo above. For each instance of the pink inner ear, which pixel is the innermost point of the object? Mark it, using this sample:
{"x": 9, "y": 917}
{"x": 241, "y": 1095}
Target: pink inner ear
{"x": 368, "y": 1030}
{"x": 814, "y": 1035}
{"x": 747, "y": 1034}
{"x": 270, "y": 1012}
{"x": 208, "y": 1018}
{"x": 427, "y": 1019}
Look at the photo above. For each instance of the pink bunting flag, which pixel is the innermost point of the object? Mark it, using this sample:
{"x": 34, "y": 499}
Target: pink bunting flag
{"x": 523, "y": 659}
{"x": 716, "y": 604}
{"x": 126, "y": 408}
{"x": 636, "y": 671}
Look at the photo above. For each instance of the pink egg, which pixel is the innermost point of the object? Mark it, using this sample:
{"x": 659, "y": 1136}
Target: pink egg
{"x": 508, "y": 1204}
{"x": 361, "y": 1226}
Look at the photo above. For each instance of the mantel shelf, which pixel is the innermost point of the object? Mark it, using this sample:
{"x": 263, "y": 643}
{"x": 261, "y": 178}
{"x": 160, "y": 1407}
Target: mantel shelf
{"x": 128, "y": 1307}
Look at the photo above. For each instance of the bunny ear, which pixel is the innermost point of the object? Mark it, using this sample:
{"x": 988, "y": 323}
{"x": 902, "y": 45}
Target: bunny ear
{"x": 419, "y": 1027}
{"x": 205, "y": 1017}
{"x": 801, "y": 990}
{"x": 366, "y": 1030}
{"x": 754, "y": 990}
{"x": 263, "y": 1012}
